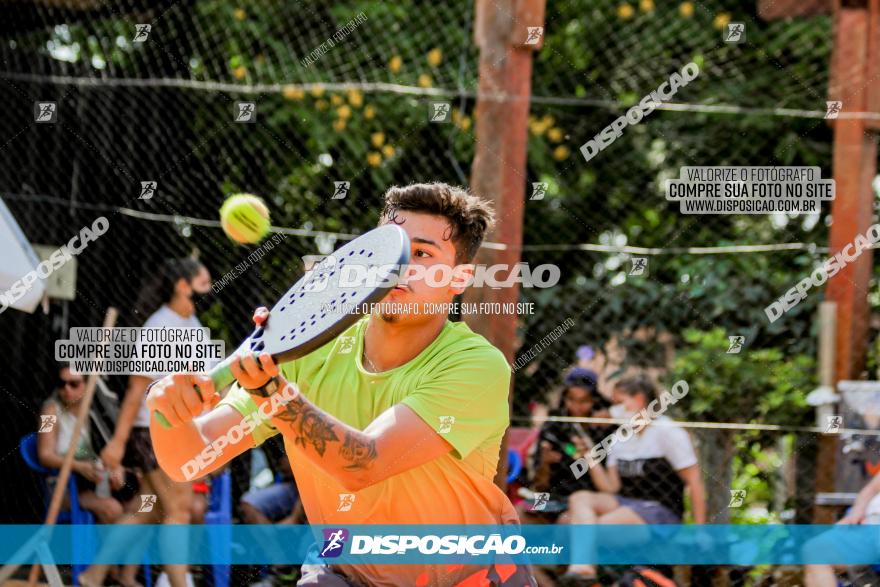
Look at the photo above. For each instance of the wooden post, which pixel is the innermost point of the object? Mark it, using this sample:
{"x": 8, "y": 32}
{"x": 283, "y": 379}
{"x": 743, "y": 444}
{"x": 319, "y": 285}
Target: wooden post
{"x": 67, "y": 464}
{"x": 854, "y": 166}
{"x": 854, "y": 83}
{"x": 826, "y": 455}
{"x": 827, "y": 337}
{"x": 502, "y": 32}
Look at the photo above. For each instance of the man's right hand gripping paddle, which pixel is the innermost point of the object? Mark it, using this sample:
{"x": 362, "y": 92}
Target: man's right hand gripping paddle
{"x": 181, "y": 397}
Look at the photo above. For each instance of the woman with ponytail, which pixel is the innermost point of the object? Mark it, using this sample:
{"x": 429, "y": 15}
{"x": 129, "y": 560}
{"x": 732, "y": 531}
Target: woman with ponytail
{"x": 171, "y": 299}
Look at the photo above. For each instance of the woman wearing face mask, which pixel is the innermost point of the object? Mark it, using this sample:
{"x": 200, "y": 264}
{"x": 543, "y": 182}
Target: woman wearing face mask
{"x": 654, "y": 467}
{"x": 649, "y": 470}
{"x": 176, "y": 292}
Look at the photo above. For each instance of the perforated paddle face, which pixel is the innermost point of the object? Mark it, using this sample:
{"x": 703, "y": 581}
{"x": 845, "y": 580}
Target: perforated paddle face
{"x": 334, "y": 294}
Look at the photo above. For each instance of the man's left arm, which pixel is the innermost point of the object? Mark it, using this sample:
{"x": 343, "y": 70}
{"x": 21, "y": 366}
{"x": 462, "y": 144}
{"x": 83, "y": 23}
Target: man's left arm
{"x": 466, "y": 402}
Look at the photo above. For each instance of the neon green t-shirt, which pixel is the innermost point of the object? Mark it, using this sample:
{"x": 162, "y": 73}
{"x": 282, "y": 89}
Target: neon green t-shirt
{"x": 459, "y": 385}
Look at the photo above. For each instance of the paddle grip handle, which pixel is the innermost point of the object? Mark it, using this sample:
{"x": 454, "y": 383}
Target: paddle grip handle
{"x": 222, "y": 377}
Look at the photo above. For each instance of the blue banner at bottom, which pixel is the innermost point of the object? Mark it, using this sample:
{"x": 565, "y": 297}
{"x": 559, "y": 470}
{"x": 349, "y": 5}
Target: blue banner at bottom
{"x": 439, "y": 544}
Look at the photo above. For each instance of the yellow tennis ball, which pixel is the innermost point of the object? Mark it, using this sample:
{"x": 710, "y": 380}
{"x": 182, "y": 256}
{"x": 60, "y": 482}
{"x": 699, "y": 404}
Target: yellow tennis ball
{"x": 245, "y": 218}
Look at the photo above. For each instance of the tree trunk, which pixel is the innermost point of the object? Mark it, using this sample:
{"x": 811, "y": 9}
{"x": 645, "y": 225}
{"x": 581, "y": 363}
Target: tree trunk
{"x": 716, "y": 455}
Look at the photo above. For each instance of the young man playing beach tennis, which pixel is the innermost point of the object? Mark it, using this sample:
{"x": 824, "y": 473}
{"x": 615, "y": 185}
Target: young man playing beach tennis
{"x": 398, "y": 420}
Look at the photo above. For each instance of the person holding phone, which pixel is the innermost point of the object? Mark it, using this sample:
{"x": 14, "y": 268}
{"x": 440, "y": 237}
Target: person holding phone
{"x": 560, "y": 443}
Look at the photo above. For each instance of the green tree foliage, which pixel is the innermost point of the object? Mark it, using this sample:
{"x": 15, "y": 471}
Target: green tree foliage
{"x": 756, "y": 385}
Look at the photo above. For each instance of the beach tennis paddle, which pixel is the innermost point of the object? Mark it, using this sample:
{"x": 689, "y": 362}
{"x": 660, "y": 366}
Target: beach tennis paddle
{"x": 318, "y": 308}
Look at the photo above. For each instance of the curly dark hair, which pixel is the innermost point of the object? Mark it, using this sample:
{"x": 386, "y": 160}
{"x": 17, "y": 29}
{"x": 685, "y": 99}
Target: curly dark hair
{"x": 469, "y": 216}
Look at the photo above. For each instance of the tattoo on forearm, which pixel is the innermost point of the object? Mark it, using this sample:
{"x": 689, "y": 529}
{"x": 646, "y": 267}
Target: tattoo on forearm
{"x": 360, "y": 454}
{"x": 310, "y": 426}
{"x": 313, "y": 428}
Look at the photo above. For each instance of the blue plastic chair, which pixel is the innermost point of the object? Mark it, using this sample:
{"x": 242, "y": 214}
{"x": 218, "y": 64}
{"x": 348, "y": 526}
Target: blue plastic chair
{"x": 220, "y": 513}
{"x": 514, "y": 465}
{"x": 264, "y": 569}
{"x": 76, "y": 515}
